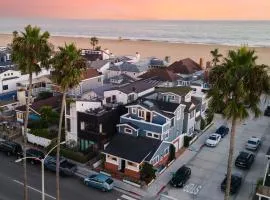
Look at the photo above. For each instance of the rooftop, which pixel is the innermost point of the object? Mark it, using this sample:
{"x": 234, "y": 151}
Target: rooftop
{"x": 90, "y": 73}
{"x": 160, "y": 74}
{"x": 138, "y": 86}
{"x": 185, "y": 66}
{"x": 176, "y": 90}
{"x": 126, "y": 146}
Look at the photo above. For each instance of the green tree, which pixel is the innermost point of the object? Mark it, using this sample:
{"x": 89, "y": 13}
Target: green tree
{"x": 238, "y": 81}
{"x": 48, "y": 115}
{"x": 68, "y": 66}
{"x": 94, "y": 42}
{"x": 147, "y": 172}
{"x": 30, "y": 51}
{"x": 215, "y": 56}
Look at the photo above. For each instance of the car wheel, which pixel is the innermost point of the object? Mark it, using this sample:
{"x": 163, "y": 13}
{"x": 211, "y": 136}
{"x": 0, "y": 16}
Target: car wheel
{"x": 103, "y": 190}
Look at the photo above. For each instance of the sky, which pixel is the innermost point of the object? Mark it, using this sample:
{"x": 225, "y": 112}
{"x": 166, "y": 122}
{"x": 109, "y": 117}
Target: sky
{"x": 138, "y": 9}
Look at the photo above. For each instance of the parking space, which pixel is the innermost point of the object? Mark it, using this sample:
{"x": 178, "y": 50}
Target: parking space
{"x": 209, "y": 165}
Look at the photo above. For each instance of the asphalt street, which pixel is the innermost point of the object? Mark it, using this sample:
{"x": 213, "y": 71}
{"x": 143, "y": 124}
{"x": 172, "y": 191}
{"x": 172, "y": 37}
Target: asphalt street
{"x": 11, "y": 184}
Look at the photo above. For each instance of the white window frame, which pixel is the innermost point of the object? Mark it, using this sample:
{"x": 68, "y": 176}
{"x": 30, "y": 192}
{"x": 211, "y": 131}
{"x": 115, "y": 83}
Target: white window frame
{"x": 141, "y": 113}
{"x": 128, "y": 130}
{"x": 152, "y": 135}
{"x": 134, "y": 110}
{"x": 82, "y": 126}
{"x": 149, "y": 134}
{"x": 155, "y": 160}
{"x": 171, "y": 97}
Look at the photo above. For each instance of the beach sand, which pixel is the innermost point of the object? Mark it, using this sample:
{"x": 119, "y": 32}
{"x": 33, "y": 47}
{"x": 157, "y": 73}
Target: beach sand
{"x": 176, "y": 51}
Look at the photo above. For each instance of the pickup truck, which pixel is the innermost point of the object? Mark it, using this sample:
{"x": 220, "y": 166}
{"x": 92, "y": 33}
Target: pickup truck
{"x": 66, "y": 168}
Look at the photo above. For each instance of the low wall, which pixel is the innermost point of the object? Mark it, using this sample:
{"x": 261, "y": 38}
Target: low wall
{"x": 44, "y": 142}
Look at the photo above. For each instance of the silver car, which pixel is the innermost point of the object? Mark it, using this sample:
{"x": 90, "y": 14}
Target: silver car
{"x": 253, "y": 143}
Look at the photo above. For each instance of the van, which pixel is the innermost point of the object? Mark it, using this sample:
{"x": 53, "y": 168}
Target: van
{"x": 99, "y": 181}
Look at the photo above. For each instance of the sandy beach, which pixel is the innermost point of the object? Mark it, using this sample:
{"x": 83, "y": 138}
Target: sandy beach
{"x": 176, "y": 51}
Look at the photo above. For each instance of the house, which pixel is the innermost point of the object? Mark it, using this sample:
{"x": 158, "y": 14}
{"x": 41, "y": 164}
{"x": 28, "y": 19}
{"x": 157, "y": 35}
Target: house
{"x": 97, "y": 93}
{"x": 93, "y": 55}
{"x": 186, "y": 66}
{"x": 151, "y": 125}
{"x": 157, "y": 63}
{"x": 90, "y": 124}
{"x": 263, "y": 191}
{"x": 120, "y": 79}
{"x": 54, "y": 102}
{"x": 91, "y": 78}
{"x": 130, "y": 92}
{"x": 163, "y": 75}
{"x": 5, "y": 58}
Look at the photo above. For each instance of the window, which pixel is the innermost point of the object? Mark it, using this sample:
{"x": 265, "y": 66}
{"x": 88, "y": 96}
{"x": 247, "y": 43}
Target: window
{"x": 155, "y": 160}
{"x": 128, "y": 130}
{"x": 166, "y": 135}
{"x": 166, "y": 151}
{"x": 5, "y": 87}
{"x": 4, "y": 74}
{"x": 149, "y": 134}
{"x": 152, "y": 135}
{"x": 156, "y": 136}
{"x": 68, "y": 124}
{"x": 133, "y": 110}
{"x": 132, "y": 164}
{"x": 112, "y": 157}
{"x": 11, "y": 73}
{"x": 192, "y": 114}
{"x": 141, "y": 113}
{"x": 171, "y": 97}
{"x": 82, "y": 126}
{"x": 172, "y": 122}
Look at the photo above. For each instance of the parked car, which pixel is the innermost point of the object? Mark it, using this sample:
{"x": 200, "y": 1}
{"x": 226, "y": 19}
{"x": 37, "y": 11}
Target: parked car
{"x": 181, "y": 176}
{"x": 11, "y": 148}
{"x": 244, "y": 160}
{"x": 235, "y": 183}
{"x": 267, "y": 111}
{"x": 34, "y": 153}
{"x": 253, "y": 143}
{"x": 222, "y": 131}
{"x": 213, "y": 140}
{"x": 66, "y": 168}
{"x": 99, "y": 181}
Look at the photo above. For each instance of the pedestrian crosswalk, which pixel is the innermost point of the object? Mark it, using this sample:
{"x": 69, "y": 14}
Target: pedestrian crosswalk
{"x": 126, "y": 197}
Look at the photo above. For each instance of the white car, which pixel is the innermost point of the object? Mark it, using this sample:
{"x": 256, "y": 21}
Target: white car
{"x": 213, "y": 140}
{"x": 253, "y": 143}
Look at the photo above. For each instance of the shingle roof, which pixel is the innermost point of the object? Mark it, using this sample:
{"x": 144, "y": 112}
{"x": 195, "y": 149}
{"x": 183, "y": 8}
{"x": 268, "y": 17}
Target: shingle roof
{"x": 176, "y": 90}
{"x": 122, "y": 78}
{"x": 166, "y": 106}
{"x": 54, "y": 102}
{"x": 138, "y": 86}
{"x": 90, "y": 73}
{"x": 97, "y": 64}
{"x": 126, "y": 146}
{"x": 160, "y": 74}
{"x": 156, "y": 62}
{"x": 185, "y": 66}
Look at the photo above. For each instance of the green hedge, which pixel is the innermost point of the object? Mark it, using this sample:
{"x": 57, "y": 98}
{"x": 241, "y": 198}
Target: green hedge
{"x": 43, "y": 133}
{"x": 202, "y": 125}
{"x": 187, "y": 140}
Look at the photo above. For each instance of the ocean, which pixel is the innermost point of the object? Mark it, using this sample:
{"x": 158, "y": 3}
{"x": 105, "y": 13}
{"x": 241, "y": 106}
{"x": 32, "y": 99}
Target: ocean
{"x": 235, "y": 33}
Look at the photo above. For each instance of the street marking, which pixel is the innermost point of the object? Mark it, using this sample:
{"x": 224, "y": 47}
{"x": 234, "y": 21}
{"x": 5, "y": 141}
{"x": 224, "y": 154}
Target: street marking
{"x": 20, "y": 183}
{"x": 192, "y": 188}
{"x": 127, "y": 197}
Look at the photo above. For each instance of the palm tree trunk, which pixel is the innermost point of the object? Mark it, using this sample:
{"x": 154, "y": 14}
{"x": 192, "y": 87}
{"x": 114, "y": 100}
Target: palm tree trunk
{"x": 28, "y": 101}
{"x": 230, "y": 161}
{"x": 58, "y": 147}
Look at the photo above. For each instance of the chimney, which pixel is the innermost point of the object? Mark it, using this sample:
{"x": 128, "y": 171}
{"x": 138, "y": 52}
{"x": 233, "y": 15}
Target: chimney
{"x": 201, "y": 63}
{"x": 138, "y": 56}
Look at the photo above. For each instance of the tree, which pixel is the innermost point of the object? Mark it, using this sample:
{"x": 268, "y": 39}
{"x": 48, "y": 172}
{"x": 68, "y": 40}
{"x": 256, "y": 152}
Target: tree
{"x": 30, "y": 51}
{"x": 172, "y": 153}
{"x": 147, "y": 172}
{"x": 238, "y": 81}
{"x": 48, "y": 115}
{"x": 93, "y": 42}
{"x": 68, "y": 66}
{"x": 215, "y": 56}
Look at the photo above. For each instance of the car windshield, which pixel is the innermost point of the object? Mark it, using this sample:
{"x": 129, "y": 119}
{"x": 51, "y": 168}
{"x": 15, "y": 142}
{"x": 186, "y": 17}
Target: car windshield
{"x": 212, "y": 138}
{"x": 109, "y": 181}
{"x": 252, "y": 142}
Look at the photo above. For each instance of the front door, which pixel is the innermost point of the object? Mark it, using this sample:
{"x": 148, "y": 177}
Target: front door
{"x": 148, "y": 116}
{"x": 123, "y": 165}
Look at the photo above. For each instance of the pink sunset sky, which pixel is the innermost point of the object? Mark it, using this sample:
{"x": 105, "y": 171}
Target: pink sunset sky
{"x": 138, "y": 9}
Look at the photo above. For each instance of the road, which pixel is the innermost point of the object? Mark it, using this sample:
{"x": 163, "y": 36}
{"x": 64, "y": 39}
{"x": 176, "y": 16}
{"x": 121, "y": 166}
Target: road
{"x": 209, "y": 165}
{"x": 11, "y": 184}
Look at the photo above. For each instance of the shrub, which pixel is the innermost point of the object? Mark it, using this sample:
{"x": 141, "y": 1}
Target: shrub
{"x": 147, "y": 172}
{"x": 209, "y": 117}
{"x": 259, "y": 182}
{"x": 202, "y": 125}
{"x": 172, "y": 153}
{"x": 44, "y": 95}
{"x": 187, "y": 140}
{"x": 43, "y": 133}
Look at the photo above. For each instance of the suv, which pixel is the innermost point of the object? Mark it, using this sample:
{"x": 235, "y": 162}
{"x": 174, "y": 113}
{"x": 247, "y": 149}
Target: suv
{"x": 11, "y": 148}
{"x": 181, "y": 176}
{"x": 267, "y": 111}
{"x": 34, "y": 153}
{"x": 235, "y": 183}
{"x": 222, "y": 131}
{"x": 244, "y": 160}
{"x": 253, "y": 143}
{"x": 99, "y": 181}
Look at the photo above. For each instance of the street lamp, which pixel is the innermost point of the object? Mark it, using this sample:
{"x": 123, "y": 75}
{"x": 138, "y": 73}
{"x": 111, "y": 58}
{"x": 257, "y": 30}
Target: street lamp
{"x": 42, "y": 165}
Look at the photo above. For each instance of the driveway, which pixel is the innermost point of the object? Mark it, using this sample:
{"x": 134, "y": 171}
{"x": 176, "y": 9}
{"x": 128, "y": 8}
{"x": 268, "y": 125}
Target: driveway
{"x": 209, "y": 165}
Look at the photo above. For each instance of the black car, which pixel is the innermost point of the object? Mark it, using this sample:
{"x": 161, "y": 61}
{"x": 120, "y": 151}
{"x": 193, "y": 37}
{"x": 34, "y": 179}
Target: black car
{"x": 222, "y": 131}
{"x": 34, "y": 153}
{"x": 267, "y": 111}
{"x": 244, "y": 160}
{"x": 235, "y": 183}
{"x": 11, "y": 148}
{"x": 181, "y": 176}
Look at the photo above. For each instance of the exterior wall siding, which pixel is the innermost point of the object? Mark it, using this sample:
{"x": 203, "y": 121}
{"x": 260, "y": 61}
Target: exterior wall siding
{"x": 121, "y": 129}
{"x": 160, "y": 152}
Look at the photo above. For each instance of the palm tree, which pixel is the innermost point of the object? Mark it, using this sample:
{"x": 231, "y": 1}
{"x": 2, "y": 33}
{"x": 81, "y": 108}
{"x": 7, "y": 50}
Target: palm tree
{"x": 93, "y": 42}
{"x": 68, "y": 67}
{"x": 237, "y": 86}
{"x": 215, "y": 56}
{"x": 30, "y": 51}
